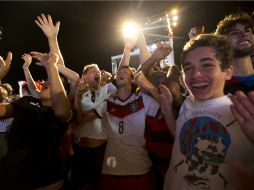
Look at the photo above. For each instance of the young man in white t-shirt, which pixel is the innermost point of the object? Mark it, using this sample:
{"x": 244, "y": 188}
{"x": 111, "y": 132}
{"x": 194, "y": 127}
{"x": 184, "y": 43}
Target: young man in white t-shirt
{"x": 208, "y": 139}
{"x": 90, "y": 138}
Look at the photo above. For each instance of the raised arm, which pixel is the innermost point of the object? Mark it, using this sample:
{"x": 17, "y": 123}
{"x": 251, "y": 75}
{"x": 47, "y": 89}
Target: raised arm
{"x": 51, "y": 31}
{"x": 6, "y": 110}
{"x": 129, "y": 44}
{"x": 5, "y": 65}
{"x": 161, "y": 52}
{"x": 72, "y": 76}
{"x": 59, "y": 100}
{"x": 141, "y": 80}
{"x": 82, "y": 116}
{"x": 196, "y": 31}
{"x": 29, "y": 79}
{"x": 166, "y": 101}
{"x": 144, "y": 53}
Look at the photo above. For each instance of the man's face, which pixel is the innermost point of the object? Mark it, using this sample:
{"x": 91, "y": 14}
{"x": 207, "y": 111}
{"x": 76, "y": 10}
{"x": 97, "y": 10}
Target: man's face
{"x": 241, "y": 39}
{"x": 203, "y": 75}
{"x": 92, "y": 76}
{"x": 123, "y": 77}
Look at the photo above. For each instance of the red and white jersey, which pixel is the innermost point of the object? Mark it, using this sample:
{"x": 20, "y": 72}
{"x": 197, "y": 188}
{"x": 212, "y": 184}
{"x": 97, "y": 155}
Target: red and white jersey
{"x": 124, "y": 124}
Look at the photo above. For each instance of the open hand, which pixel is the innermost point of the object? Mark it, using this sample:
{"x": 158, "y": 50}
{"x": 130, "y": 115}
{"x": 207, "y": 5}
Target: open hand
{"x": 47, "y": 26}
{"x": 162, "y": 51}
{"x": 166, "y": 99}
{"x": 27, "y": 60}
{"x": 243, "y": 110}
{"x": 5, "y": 65}
{"x": 41, "y": 57}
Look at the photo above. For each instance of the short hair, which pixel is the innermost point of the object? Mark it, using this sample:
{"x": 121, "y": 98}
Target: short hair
{"x": 8, "y": 87}
{"x": 131, "y": 69}
{"x": 225, "y": 26}
{"x": 174, "y": 73}
{"x": 3, "y": 94}
{"x": 106, "y": 72}
{"x": 87, "y": 67}
{"x": 218, "y": 42}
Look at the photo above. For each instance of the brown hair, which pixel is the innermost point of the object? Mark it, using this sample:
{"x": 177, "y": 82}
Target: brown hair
{"x": 225, "y": 26}
{"x": 87, "y": 67}
{"x": 218, "y": 42}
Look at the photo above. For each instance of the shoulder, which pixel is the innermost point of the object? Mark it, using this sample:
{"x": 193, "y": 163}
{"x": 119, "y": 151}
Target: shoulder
{"x": 146, "y": 97}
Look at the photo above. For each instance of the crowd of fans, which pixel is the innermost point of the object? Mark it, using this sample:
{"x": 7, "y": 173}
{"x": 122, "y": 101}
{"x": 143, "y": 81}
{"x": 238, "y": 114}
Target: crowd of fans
{"x": 189, "y": 125}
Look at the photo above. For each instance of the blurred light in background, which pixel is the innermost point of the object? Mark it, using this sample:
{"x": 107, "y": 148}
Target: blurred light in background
{"x": 130, "y": 29}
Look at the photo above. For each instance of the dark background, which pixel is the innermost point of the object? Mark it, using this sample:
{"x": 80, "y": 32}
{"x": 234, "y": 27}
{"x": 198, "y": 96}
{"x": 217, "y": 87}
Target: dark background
{"x": 90, "y": 31}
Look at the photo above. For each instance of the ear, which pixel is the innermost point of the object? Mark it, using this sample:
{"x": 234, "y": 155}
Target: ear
{"x": 229, "y": 73}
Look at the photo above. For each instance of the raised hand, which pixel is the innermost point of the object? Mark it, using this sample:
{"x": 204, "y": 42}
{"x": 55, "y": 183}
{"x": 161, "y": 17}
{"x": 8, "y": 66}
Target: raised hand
{"x": 196, "y": 31}
{"x": 28, "y": 60}
{"x": 166, "y": 101}
{"x": 41, "y": 57}
{"x": 162, "y": 51}
{"x": 141, "y": 80}
{"x": 5, "y": 65}
{"x": 51, "y": 32}
{"x": 52, "y": 59}
{"x": 47, "y": 26}
{"x": 130, "y": 42}
{"x": 243, "y": 110}
{"x": 83, "y": 86}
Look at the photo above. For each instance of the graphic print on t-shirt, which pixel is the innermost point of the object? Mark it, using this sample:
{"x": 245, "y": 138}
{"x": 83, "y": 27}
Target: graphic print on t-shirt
{"x": 204, "y": 143}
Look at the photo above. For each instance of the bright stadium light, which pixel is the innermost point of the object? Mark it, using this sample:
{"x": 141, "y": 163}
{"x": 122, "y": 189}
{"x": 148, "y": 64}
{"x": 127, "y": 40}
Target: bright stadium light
{"x": 130, "y": 29}
{"x": 174, "y": 24}
{"x": 175, "y": 18}
{"x": 174, "y": 12}
{"x": 172, "y": 19}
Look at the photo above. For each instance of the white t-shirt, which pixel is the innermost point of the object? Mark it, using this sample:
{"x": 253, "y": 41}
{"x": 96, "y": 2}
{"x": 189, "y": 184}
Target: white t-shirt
{"x": 208, "y": 139}
{"x": 124, "y": 123}
{"x": 93, "y": 128}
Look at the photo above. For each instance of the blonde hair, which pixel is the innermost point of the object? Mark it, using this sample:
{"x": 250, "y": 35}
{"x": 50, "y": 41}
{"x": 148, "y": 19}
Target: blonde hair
{"x": 87, "y": 67}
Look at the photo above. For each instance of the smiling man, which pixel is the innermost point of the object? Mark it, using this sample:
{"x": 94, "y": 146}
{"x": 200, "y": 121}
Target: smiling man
{"x": 239, "y": 28}
{"x": 207, "y": 138}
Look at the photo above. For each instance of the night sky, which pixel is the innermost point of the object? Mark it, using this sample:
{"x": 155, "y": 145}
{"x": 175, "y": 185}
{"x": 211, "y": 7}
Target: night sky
{"x": 90, "y": 31}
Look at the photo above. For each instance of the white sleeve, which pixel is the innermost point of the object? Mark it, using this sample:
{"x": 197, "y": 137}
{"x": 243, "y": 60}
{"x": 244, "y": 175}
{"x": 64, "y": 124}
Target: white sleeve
{"x": 86, "y": 103}
{"x": 151, "y": 105}
{"x": 111, "y": 87}
{"x": 105, "y": 92}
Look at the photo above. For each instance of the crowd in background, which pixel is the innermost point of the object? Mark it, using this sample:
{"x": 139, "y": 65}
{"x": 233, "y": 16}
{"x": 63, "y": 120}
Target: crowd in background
{"x": 188, "y": 125}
